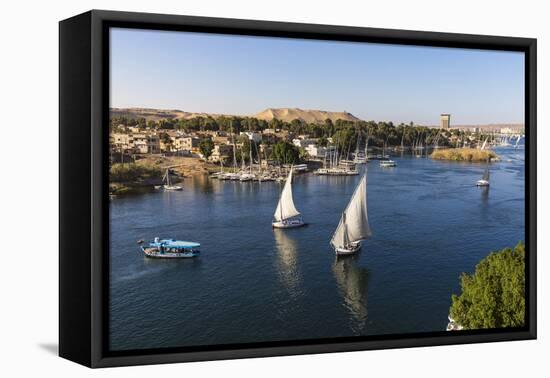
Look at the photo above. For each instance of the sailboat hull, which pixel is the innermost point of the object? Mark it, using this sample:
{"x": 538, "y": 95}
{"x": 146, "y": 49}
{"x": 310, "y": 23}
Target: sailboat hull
{"x": 350, "y": 250}
{"x": 172, "y": 187}
{"x": 291, "y": 223}
{"x": 482, "y": 183}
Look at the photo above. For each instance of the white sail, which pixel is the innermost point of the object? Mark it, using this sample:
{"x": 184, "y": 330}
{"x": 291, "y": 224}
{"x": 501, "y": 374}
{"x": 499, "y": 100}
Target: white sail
{"x": 166, "y": 178}
{"x": 340, "y": 237}
{"x": 354, "y": 223}
{"x": 484, "y": 143}
{"x": 285, "y": 208}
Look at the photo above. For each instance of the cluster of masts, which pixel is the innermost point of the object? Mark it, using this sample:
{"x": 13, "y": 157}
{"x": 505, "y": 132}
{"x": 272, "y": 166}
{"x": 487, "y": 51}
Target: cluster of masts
{"x": 250, "y": 172}
{"x": 352, "y": 229}
{"x": 338, "y": 163}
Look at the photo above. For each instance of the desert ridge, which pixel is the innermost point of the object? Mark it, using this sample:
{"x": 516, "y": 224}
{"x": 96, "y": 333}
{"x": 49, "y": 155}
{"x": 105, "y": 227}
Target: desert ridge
{"x": 282, "y": 114}
{"x": 308, "y": 116}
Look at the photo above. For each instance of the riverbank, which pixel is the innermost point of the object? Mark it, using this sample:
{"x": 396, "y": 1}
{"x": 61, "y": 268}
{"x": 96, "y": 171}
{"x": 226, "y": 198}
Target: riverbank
{"x": 143, "y": 174}
{"x": 464, "y": 154}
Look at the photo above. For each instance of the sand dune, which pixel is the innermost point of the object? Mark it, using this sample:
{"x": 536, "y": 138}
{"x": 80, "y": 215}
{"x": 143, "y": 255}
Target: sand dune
{"x": 157, "y": 114}
{"x": 309, "y": 116}
{"x": 283, "y": 114}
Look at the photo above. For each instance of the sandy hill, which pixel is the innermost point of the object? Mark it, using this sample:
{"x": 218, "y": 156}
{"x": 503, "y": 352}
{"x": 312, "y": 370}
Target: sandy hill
{"x": 283, "y": 114}
{"x": 309, "y": 116}
{"x": 156, "y": 114}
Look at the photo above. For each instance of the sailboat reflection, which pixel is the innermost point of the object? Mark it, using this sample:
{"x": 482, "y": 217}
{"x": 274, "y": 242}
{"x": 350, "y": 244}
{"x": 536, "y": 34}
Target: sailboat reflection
{"x": 286, "y": 262}
{"x": 485, "y": 196}
{"x": 352, "y": 281}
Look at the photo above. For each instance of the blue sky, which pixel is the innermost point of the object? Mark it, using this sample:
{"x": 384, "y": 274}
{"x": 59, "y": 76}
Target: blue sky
{"x": 244, "y": 75}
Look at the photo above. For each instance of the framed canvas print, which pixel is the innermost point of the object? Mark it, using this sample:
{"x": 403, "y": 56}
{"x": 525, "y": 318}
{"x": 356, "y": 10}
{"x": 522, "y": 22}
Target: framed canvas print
{"x": 234, "y": 188}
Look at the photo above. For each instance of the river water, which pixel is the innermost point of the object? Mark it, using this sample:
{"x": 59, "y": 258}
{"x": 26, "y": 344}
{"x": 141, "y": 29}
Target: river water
{"x": 252, "y": 283}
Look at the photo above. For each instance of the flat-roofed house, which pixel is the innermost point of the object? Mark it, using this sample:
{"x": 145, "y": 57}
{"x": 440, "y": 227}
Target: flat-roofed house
{"x": 146, "y": 143}
{"x": 316, "y": 151}
{"x": 221, "y": 152}
{"x": 190, "y": 143}
{"x": 252, "y": 135}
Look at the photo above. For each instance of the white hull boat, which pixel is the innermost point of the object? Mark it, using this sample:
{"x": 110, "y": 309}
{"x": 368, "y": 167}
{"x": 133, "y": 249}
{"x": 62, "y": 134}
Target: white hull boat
{"x": 168, "y": 186}
{"x": 349, "y": 250}
{"x": 246, "y": 177}
{"x": 354, "y": 223}
{"x": 289, "y": 223}
{"x": 172, "y": 187}
{"x": 482, "y": 183}
{"x": 485, "y": 179}
{"x": 171, "y": 249}
{"x": 388, "y": 163}
{"x": 286, "y": 215}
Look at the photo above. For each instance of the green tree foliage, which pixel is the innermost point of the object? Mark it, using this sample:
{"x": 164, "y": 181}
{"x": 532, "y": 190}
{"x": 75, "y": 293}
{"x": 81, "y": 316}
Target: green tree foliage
{"x": 165, "y": 124}
{"x": 344, "y": 132}
{"x": 206, "y": 146}
{"x": 286, "y": 153}
{"x": 323, "y": 141}
{"x": 494, "y": 296}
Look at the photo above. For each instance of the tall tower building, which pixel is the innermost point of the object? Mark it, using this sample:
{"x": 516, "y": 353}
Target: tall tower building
{"x": 445, "y": 121}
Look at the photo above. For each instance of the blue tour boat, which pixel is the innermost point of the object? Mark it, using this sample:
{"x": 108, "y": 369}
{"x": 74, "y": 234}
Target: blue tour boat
{"x": 171, "y": 249}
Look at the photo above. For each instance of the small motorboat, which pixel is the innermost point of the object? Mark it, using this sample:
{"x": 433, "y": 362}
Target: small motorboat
{"x": 171, "y": 249}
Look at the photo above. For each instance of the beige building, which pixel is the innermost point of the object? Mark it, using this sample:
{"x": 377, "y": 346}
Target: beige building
{"x": 221, "y": 152}
{"x": 221, "y": 140}
{"x": 445, "y": 121}
{"x": 190, "y": 143}
{"x": 146, "y": 143}
{"x": 136, "y": 143}
{"x": 122, "y": 142}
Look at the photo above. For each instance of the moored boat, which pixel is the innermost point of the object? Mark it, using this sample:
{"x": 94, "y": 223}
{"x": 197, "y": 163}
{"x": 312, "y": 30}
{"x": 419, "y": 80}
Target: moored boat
{"x": 168, "y": 183}
{"x": 387, "y": 163}
{"x": 171, "y": 249}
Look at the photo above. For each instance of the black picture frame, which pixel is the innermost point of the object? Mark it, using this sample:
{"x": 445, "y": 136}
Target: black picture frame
{"x": 83, "y": 181}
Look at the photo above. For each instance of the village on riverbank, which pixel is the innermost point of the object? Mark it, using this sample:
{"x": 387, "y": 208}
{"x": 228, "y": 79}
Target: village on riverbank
{"x": 147, "y": 146}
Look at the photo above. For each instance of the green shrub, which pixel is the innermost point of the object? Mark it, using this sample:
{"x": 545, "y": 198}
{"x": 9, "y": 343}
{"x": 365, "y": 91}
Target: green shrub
{"x": 132, "y": 172}
{"x": 494, "y": 296}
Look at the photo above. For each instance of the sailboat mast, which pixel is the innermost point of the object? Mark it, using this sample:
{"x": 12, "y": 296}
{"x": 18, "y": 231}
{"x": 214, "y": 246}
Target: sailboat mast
{"x": 251, "y": 141}
{"x": 234, "y": 152}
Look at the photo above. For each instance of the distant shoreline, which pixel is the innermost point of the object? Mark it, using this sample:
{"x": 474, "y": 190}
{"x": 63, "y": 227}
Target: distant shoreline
{"x": 283, "y": 114}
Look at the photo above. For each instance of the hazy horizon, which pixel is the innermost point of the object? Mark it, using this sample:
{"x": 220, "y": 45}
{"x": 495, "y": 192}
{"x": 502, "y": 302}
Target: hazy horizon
{"x": 242, "y": 75}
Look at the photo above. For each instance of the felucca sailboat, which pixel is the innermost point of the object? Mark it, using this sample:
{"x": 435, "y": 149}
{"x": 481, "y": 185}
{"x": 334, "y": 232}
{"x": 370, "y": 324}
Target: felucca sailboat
{"x": 354, "y": 223}
{"x": 168, "y": 182}
{"x": 286, "y": 215}
{"x": 485, "y": 179}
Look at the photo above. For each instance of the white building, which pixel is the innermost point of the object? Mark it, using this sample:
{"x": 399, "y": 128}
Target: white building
{"x": 303, "y": 143}
{"x": 316, "y": 151}
{"x": 256, "y": 137}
